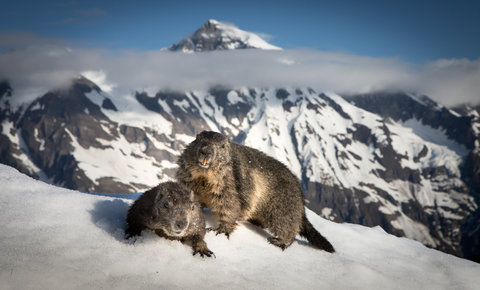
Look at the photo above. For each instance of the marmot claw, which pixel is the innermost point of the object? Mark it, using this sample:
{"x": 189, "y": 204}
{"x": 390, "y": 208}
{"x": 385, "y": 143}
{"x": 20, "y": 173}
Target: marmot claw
{"x": 203, "y": 253}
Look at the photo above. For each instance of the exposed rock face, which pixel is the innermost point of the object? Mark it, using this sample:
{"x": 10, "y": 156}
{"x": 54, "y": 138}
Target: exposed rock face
{"x": 51, "y": 124}
{"x": 179, "y": 110}
{"x": 10, "y": 151}
{"x": 403, "y": 107}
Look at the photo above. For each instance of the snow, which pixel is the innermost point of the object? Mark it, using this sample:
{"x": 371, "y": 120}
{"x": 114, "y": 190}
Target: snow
{"x": 411, "y": 137}
{"x": 414, "y": 230}
{"x": 251, "y": 39}
{"x": 41, "y": 141}
{"x": 19, "y": 143}
{"x": 269, "y": 125}
{"x": 233, "y": 98}
{"x": 57, "y": 238}
{"x": 184, "y": 138}
{"x": 329, "y": 126}
{"x": 131, "y": 113}
{"x": 121, "y": 167}
{"x": 184, "y": 104}
{"x": 36, "y": 106}
{"x": 437, "y": 136}
{"x": 95, "y": 97}
{"x": 7, "y": 128}
{"x": 165, "y": 106}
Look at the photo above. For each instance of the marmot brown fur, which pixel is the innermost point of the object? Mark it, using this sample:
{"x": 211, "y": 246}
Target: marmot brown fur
{"x": 240, "y": 183}
{"x": 171, "y": 211}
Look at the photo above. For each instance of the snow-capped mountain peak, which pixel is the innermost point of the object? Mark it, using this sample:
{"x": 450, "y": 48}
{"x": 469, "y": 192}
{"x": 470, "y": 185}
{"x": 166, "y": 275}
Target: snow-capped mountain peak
{"x": 216, "y": 35}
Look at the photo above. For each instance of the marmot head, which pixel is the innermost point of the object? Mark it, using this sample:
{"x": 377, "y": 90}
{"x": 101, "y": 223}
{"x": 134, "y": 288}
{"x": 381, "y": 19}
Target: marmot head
{"x": 211, "y": 150}
{"x": 173, "y": 209}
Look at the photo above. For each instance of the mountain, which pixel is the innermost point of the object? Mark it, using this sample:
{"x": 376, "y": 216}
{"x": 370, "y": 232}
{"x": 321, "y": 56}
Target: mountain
{"x": 389, "y": 159}
{"x": 59, "y": 136}
{"x": 56, "y": 236}
{"x": 460, "y": 123}
{"x": 215, "y": 35}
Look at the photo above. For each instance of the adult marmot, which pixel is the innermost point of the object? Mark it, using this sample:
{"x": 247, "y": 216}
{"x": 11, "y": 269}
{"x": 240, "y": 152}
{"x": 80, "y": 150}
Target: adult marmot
{"x": 240, "y": 183}
{"x": 172, "y": 212}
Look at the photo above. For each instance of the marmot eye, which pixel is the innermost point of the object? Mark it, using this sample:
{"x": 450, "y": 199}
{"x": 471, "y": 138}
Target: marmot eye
{"x": 165, "y": 205}
{"x": 223, "y": 146}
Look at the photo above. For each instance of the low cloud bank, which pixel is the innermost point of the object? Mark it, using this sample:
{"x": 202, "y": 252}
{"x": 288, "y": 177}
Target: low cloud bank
{"x": 42, "y": 67}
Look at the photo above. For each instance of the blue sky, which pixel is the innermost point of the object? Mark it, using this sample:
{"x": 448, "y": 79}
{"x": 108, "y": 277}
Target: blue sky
{"x": 414, "y": 31}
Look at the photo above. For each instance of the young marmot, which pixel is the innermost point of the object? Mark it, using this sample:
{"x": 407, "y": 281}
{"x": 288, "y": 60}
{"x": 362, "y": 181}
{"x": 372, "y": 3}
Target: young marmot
{"x": 171, "y": 211}
{"x": 240, "y": 183}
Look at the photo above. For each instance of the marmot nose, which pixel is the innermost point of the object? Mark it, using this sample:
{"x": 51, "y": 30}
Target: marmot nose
{"x": 180, "y": 224}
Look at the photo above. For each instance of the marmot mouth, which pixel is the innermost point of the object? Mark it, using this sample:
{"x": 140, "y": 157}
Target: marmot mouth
{"x": 204, "y": 163}
{"x": 178, "y": 233}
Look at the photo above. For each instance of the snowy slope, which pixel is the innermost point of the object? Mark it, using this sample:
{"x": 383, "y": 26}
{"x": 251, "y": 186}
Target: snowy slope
{"x": 53, "y": 237}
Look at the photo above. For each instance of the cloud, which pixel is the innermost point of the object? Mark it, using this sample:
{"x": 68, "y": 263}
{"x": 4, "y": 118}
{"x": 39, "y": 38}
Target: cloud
{"x": 44, "y": 67}
{"x": 451, "y": 81}
{"x": 298, "y": 68}
{"x": 100, "y": 79}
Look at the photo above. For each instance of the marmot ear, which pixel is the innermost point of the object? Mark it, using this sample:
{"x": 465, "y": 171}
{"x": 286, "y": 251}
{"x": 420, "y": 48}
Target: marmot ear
{"x": 198, "y": 135}
{"x": 159, "y": 196}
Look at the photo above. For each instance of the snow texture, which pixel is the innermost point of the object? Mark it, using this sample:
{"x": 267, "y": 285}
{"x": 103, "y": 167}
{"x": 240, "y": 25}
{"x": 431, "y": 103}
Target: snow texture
{"x": 54, "y": 238}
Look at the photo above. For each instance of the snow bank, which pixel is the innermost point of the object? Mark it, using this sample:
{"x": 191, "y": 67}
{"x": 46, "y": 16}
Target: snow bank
{"x": 53, "y": 238}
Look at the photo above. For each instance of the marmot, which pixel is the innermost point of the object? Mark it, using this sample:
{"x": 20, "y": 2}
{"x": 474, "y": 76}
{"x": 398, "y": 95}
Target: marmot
{"x": 240, "y": 183}
{"x": 171, "y": 211}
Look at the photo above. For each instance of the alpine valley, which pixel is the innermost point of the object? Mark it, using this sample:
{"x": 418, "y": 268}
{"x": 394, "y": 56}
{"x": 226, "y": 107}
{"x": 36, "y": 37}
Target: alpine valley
{"x": 389, "y": 158}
